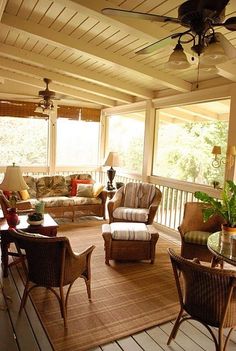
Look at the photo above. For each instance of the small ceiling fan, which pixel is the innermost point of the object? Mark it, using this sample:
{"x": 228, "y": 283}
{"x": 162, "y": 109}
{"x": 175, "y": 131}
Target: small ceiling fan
{"x": 200, "y": 17}
{"x": 46, "y": 104}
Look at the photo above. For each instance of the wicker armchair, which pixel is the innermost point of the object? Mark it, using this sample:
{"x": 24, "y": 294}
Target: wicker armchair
{"x": 23, "y": 207}
{"x": 134, "y": 202}
{"x": 208, "y": 295}
{"x": 52, "y": 264}
{"x": 194, "y": 231}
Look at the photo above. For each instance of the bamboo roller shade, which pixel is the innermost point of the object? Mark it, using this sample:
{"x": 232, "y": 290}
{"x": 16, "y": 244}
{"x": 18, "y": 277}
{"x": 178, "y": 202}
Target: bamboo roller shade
{"x": 26, "y": 109}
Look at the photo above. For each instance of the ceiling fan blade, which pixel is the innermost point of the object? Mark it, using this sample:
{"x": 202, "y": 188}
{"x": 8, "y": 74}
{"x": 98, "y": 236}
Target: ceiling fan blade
{"x": 158, "y": 44}
{"x": 229, "y": 48}
{"x": 139, "y": 15}
{"x": 230, "y": 24}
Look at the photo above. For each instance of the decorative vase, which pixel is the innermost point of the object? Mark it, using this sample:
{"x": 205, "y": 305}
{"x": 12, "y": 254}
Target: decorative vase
{"x": 227, "y": 232}
{"x": 12, "y": 217}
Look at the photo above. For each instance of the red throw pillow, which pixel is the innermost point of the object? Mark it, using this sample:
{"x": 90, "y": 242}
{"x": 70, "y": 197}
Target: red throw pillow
{"x": 74, "y": 183}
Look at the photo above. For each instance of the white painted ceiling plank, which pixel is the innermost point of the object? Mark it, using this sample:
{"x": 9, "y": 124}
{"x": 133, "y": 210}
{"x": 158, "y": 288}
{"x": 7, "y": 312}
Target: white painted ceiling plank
{"x": 56, "y": 87}
{"x": 79, "y": 44}
{"x": 150, "y": 32}
{"x": 72, "y": 82}
{"x": 75, "y": 71}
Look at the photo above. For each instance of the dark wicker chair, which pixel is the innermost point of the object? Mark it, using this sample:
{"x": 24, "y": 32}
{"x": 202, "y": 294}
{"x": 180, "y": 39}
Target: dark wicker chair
{"x": 52, "y": 264}
{"x": 194, "y": 231}
{"x": 208, "y": 295}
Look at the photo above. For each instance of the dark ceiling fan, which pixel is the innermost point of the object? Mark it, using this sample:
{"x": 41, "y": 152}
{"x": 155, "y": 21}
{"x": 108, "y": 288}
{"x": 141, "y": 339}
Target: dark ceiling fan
{"x": 199, "y": 16}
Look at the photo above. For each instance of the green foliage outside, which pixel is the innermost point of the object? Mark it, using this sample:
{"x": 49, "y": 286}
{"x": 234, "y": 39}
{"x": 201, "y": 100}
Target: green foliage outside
{"x": 23, "y": 141}
{"x": 184, "y": 151}
{"x": 126, "y": 136}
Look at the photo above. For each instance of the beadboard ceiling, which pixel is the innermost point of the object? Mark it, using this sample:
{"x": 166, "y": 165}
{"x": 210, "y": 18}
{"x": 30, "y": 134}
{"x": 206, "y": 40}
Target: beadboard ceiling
{"x": 90, "y": 57}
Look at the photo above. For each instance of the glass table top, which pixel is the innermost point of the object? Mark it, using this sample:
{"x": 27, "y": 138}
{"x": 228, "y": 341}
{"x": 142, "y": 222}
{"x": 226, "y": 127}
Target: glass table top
{"x": 224, "y": 248}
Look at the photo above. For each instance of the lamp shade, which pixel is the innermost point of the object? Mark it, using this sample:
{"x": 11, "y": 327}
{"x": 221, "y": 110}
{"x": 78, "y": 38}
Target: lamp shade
{"x": 178, "y": 59}
{"x": 13, "y": 179}
{"x": 112, "y": 160}
{"x": 216, "y": 150}
{"x": 214, "y": 53}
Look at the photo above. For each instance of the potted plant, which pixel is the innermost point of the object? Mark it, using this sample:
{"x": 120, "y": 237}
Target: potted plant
{"x": 226, "y": 207}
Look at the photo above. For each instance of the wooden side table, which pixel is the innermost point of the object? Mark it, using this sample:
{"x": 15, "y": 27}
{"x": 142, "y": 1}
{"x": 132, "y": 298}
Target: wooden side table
{"x": 48, "y": 228}
{"x": 110, "y": 193}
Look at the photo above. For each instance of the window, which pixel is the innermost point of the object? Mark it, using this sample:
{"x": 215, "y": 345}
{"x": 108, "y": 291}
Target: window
{"x": 186, "y": 136}
{"x": 24, "y": 141}
{"x": 77, "y": 142}
{"x": 126, "y": 136}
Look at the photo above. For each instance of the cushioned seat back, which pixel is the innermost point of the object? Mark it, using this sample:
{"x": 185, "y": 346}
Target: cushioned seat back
{"x": 193, "y": 219}
{"x": 139, "y": 195}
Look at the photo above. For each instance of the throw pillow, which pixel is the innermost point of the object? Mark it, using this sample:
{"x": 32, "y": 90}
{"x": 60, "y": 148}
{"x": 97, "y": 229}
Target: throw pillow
{"x": 24, "y": 194}
{"x": 84, "y": 190}
{"x": 97, "y": 189}
{"x": 74, "y": 183}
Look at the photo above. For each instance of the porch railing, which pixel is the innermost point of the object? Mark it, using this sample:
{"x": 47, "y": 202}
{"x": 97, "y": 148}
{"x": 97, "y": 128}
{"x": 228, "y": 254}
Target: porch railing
{"x": 174, "y": 193}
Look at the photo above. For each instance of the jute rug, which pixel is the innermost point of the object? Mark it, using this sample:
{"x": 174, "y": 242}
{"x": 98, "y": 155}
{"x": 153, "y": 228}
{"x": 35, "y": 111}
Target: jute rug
{"x": 126, "y": 297}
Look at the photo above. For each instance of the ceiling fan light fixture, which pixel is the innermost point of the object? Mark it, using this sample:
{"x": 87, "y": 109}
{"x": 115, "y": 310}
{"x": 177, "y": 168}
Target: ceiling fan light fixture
{"x": 213, "y": 53}
{"x": 178, "y": 59}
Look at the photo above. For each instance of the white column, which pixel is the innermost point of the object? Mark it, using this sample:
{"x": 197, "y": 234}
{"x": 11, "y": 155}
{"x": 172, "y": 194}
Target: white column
{"x": 230, "y": 173}
{"x": 52, "y": 140}
{"x": 149, "y": 135}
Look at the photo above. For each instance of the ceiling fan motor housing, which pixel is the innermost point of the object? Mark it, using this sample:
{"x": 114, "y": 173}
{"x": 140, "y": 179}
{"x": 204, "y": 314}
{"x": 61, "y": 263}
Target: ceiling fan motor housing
{"x": 47, "y": 94}
{"x": 199, "y": 14}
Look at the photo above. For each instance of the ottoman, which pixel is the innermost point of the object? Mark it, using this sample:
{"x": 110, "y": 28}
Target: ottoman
{"x": 129, "y": 241}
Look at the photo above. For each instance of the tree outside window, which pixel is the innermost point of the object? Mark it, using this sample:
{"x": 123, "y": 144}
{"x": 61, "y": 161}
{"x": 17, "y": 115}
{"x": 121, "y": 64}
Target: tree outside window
{"x": 183, "y": 149}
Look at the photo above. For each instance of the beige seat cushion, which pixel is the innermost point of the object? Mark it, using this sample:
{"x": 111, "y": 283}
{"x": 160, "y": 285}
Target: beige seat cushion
{"x": 131, "y": 214}
{"x": 129, "y": 231}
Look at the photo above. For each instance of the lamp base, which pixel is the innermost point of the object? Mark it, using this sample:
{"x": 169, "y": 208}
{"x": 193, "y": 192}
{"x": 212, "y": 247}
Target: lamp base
{"x": 110, "y": 175}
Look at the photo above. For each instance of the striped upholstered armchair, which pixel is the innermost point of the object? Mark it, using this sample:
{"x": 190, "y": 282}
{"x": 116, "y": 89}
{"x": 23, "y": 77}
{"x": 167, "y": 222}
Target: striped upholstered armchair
{"x": 134, "y": 202}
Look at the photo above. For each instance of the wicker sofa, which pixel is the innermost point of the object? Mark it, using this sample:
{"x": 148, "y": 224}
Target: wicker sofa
{"x": 55, "y": 193}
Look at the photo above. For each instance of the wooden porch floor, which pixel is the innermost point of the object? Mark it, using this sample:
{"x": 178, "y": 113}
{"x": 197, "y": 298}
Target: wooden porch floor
{"x": 25, "y": 333}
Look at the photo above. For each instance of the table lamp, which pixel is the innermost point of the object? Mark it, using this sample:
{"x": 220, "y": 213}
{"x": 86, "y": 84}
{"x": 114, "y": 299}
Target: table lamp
{"x": 13, "y": 181}
{"x": 111, "y": 160}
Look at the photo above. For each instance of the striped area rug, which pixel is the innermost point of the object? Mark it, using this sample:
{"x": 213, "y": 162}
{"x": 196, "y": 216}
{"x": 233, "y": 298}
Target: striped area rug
{"x": 126, "y": 297}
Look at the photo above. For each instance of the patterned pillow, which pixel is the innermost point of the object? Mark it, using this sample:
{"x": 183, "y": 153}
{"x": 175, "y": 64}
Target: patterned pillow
{"x": 51, "y": 186}
{"x": 84, "y": 190}
{"x": 74, "y": 183}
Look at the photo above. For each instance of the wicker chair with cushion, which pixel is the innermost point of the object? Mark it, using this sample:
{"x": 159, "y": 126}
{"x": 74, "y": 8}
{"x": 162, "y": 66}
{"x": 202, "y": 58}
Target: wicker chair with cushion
{"x": 134, "y": 202}
{"x": 208, "y": 295}
{"x": 52, "y": 264}
{"x": 195, "y": 232}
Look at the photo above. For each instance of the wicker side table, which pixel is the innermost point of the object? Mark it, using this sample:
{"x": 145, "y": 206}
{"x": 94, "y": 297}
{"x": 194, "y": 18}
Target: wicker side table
{"x": 129, "y": 249}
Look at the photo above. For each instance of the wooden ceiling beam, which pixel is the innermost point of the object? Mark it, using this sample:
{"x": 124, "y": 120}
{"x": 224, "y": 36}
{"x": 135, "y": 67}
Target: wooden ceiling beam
{"x": 79, "y": 72}
{"x": 2, "y": 7}
{"x": 80, "y": 45}
{"x": 17, "y": 77}
{"x": 67, "y": 81}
